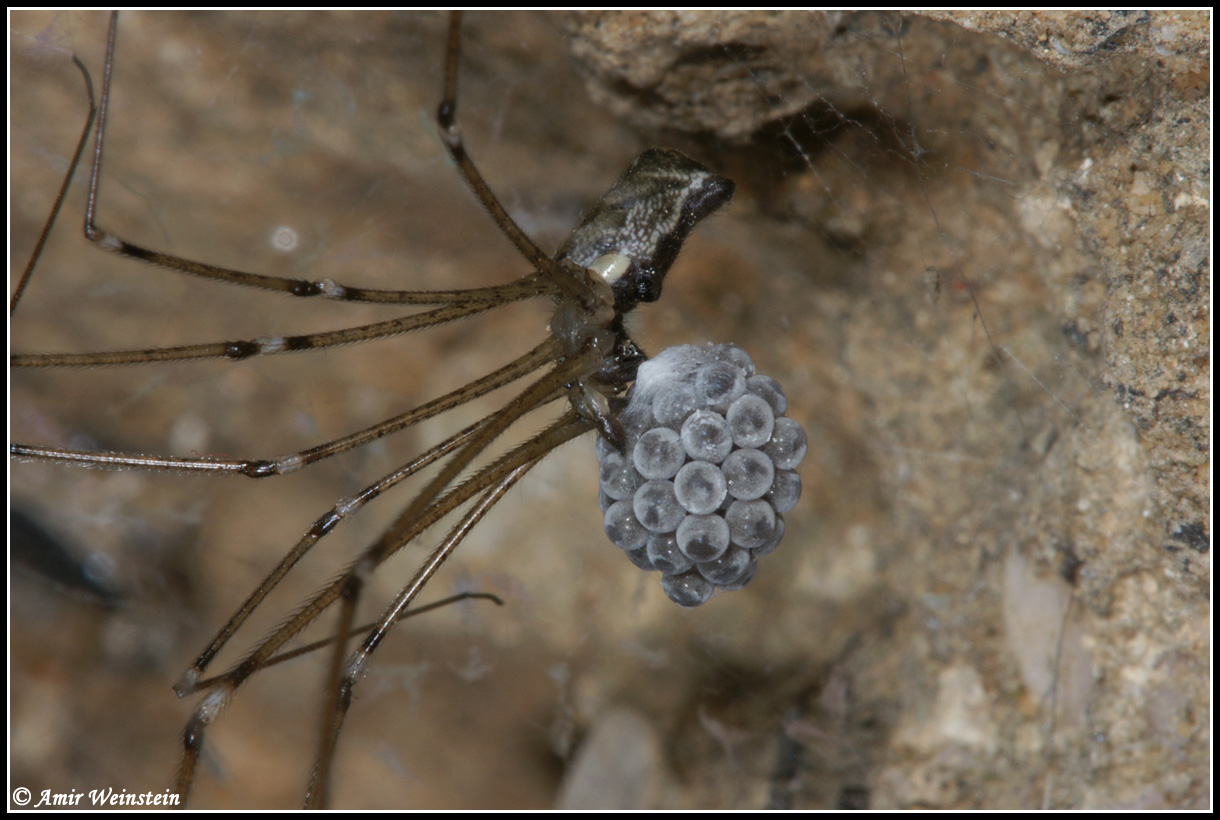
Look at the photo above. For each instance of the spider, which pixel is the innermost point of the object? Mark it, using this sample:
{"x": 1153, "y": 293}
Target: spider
{"x": 587, "y": 323}
{"x": 913, "y": 172}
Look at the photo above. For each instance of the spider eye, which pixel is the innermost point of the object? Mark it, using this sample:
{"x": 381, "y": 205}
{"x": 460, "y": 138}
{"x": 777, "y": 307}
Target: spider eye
{"x": 709, "y": 471}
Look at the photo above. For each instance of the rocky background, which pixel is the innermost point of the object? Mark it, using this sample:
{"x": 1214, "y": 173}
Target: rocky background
{"x": 973, "y": 249}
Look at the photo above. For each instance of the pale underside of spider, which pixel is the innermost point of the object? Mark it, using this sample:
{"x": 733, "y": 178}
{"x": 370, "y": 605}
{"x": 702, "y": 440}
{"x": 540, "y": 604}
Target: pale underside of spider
{"x": 616, "y": 259}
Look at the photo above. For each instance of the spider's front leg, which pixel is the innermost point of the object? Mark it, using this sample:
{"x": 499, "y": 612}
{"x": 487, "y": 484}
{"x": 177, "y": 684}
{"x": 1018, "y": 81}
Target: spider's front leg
{"x": 594, "y": 398}
{"x": 584, "y": 325}
{"x": 591, "y": 404}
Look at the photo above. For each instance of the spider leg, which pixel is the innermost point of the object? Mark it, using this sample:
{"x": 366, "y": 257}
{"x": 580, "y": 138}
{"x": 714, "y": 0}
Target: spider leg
{"x": 322, "y": 526}
{"x": 36, "y": 254}
{"x": 361, "y": 630}
{"x": 451, "y": 134}
{"x": 291, "y": 462}
{"x": 524, "y": 288}
{"x": 500, "y": 477}
{"x": 428, "y": 507}
{"x": 593, "y": 406}
{"x": 324, "y": 288}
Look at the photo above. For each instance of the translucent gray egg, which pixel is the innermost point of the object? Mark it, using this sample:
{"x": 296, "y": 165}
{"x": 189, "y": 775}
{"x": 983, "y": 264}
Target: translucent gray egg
{"x": 749, "y": 474}
{"x": 658, "y": 453}
{"x": 734, "y": 355}
{"x": 703, "y": 537}
{"x": 788, "y": 444}
{"x": 719, "y": 384}
{"x": 744, "y": 579}
{"x": 656, "y": 506}
{"x": 674, "y": 402}
{"x": 706, "y": 436}
{"x": 750, "y": 421}
{"x": 770, "y": 391}
{"x": 688, "y": 589}
{"x": 617, "y": 477}
{"x": 751, "y": 523}
{"x": 773, "y": 541}
{"x": 785, "y": 490}
{"x": 639, "y": 556}
{"x": 664, "y": 554}
{"x": 700, "y": 487}
{"x": 726, "y": 569}
{"x": 623, "y": 528}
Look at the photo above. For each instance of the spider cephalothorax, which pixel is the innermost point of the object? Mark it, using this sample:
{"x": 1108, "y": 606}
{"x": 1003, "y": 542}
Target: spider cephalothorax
{"x": 634, "y": 233}
{"x": 620, "y": 253}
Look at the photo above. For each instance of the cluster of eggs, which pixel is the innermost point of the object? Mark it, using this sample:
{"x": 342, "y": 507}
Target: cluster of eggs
{"x": 708, "y": 471}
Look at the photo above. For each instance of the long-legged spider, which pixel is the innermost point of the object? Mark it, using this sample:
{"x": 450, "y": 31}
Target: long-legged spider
{"x": 923, "y": 160}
